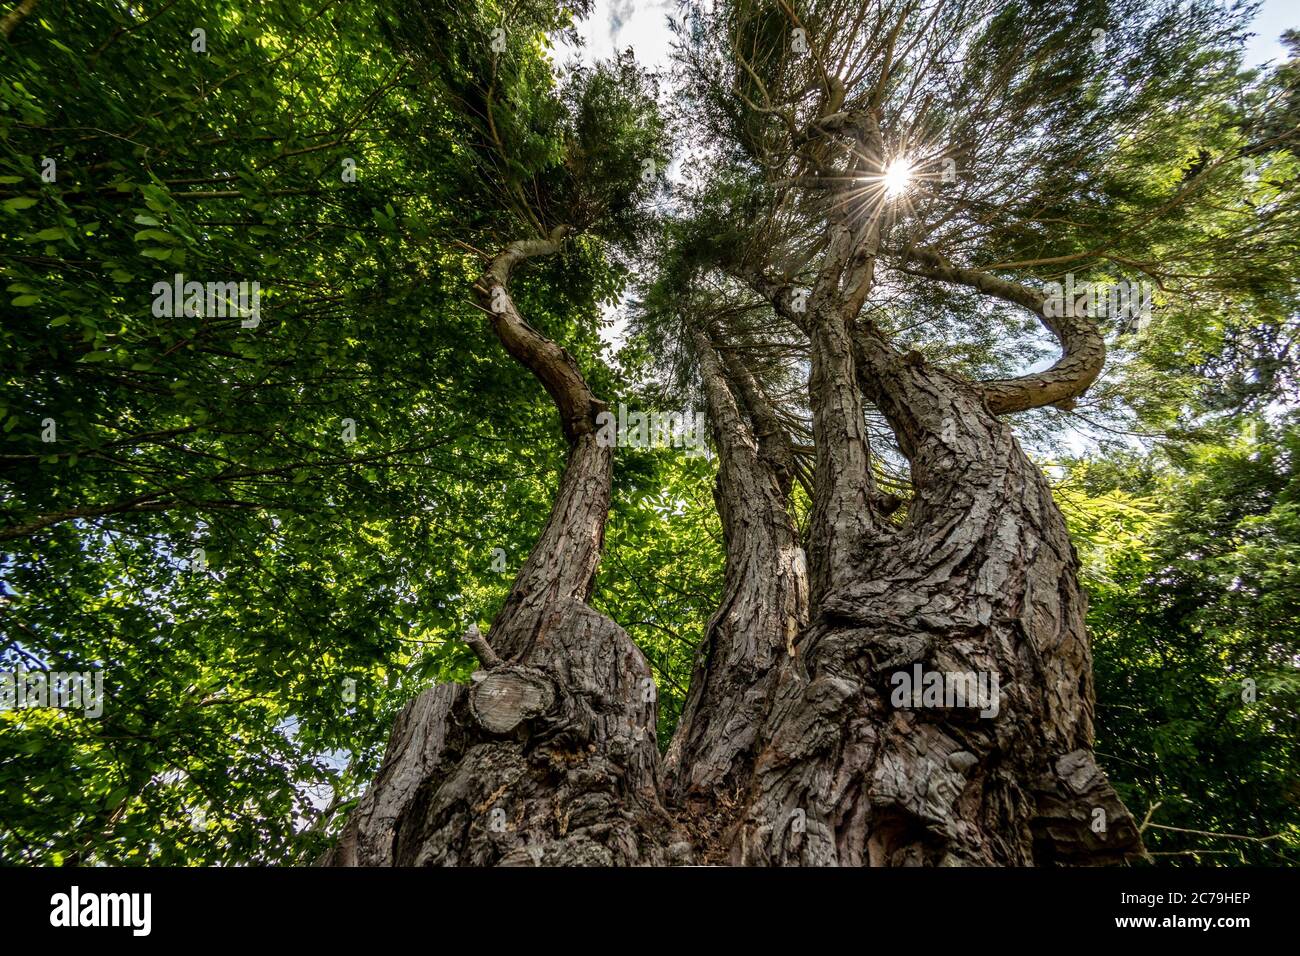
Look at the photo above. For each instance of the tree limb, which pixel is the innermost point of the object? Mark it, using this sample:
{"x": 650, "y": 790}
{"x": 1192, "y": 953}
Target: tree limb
{"x": 1083, "y": 350}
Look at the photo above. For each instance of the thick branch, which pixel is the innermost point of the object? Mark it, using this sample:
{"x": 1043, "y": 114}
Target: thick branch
{"x": 1083, "y": 348}
{"x": 774, "y": 448}
{"x": 553, "y": 366}
{"x": 764, "y": 605}
{"x": 562, "y": 565}
{"x": 843, "y": 485}
{"x": 784, "y": 298}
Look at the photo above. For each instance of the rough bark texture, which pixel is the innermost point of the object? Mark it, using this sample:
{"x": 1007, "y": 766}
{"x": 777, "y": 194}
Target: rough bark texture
{"x": 764, "y": 606}
{"x": 774, "y": 448}
{"x": 981, "y": 578}
{"x": 796, "y": 745}
{"x": 841, "y": 514}
{"x": 551, "y": 757}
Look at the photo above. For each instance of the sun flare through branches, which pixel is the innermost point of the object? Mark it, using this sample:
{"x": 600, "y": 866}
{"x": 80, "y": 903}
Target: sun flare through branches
{"x": 897, "y": 178}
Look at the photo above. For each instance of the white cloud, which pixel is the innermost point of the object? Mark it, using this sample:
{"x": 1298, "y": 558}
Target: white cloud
{"x": 618, "y": 24}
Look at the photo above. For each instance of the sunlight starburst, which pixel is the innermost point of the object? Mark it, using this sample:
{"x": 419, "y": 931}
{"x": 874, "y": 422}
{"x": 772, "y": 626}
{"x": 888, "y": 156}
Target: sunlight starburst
{"x": 897, "y": 178}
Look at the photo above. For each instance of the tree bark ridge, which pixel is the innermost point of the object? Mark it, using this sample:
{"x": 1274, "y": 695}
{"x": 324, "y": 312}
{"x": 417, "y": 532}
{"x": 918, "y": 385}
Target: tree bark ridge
{"x": 764, "y": 605}
{"x": 551, "y": 757}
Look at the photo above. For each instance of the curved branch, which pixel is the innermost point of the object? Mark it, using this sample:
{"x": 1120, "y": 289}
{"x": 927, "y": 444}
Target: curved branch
{"x": 553, "y": 365}
{"x": 1083, "y": 350}
{"x": 562, "y": 565}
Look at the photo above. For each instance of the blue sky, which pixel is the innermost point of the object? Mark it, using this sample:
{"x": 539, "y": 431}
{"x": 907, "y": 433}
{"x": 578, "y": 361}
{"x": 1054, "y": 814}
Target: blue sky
{"x": 1273, "y": 17}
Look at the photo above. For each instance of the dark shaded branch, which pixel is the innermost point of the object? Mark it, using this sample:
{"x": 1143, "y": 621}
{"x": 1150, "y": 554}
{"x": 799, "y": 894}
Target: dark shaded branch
{"x": 774, "y": 447}
{"x": 16, "y": 16}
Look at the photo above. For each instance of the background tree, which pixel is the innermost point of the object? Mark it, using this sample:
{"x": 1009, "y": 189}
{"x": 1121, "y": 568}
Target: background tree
{"x": 262, "y": 594}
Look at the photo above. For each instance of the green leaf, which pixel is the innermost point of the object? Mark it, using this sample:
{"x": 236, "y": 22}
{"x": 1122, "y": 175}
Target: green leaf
{"x": 157, "y": 235}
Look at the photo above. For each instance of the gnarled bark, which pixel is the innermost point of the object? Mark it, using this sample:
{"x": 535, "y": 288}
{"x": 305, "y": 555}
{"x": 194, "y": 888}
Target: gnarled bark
{"x": 548, "y": 759}
{"x": 551, "y": 758}
{"x": 796, "y": 744}
{"x": 980, "y": 579}
{"x": 764, "y": 606}
{"x": 842, "y": 491}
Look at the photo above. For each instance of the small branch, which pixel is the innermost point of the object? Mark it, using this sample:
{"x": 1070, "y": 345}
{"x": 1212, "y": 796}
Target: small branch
{"x": 16, "y": 16}
{"x": 1220, "y": 836}
{"x": 1146, "y": 820}
{"x": 482, "y": 650}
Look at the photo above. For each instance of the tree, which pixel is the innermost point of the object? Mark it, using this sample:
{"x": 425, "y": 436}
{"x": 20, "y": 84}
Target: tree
{"x": 262, "y": 536}
{"x": 892, "y": 205}
{"x": 1190, "y": 560}
{"x": 790, "y": 730}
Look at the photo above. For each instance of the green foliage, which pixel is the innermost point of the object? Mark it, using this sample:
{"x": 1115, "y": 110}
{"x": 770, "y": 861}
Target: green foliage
{"x": 661, "y": 576}
{"x": 263, "y": 594}
{"x": 1192, "y": 561}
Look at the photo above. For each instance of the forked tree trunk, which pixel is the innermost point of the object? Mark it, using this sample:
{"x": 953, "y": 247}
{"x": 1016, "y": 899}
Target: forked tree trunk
{"x": 551, "y": 757}
{"x": 980, "y": 579}
{"x": 796, "y": 745}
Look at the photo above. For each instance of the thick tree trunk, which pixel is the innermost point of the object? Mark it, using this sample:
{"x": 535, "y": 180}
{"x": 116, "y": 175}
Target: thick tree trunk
{"x": 841, "y": 513}
{"x": 551, "y": 757}
{"x": 764, "y": 606}
{"x": 981, "y": 579}
{"x": 799, "y": 743}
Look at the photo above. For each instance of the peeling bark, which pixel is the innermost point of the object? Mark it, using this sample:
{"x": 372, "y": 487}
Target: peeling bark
{"x": 981, "y": 579}
{"x": 797, "y": 745}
